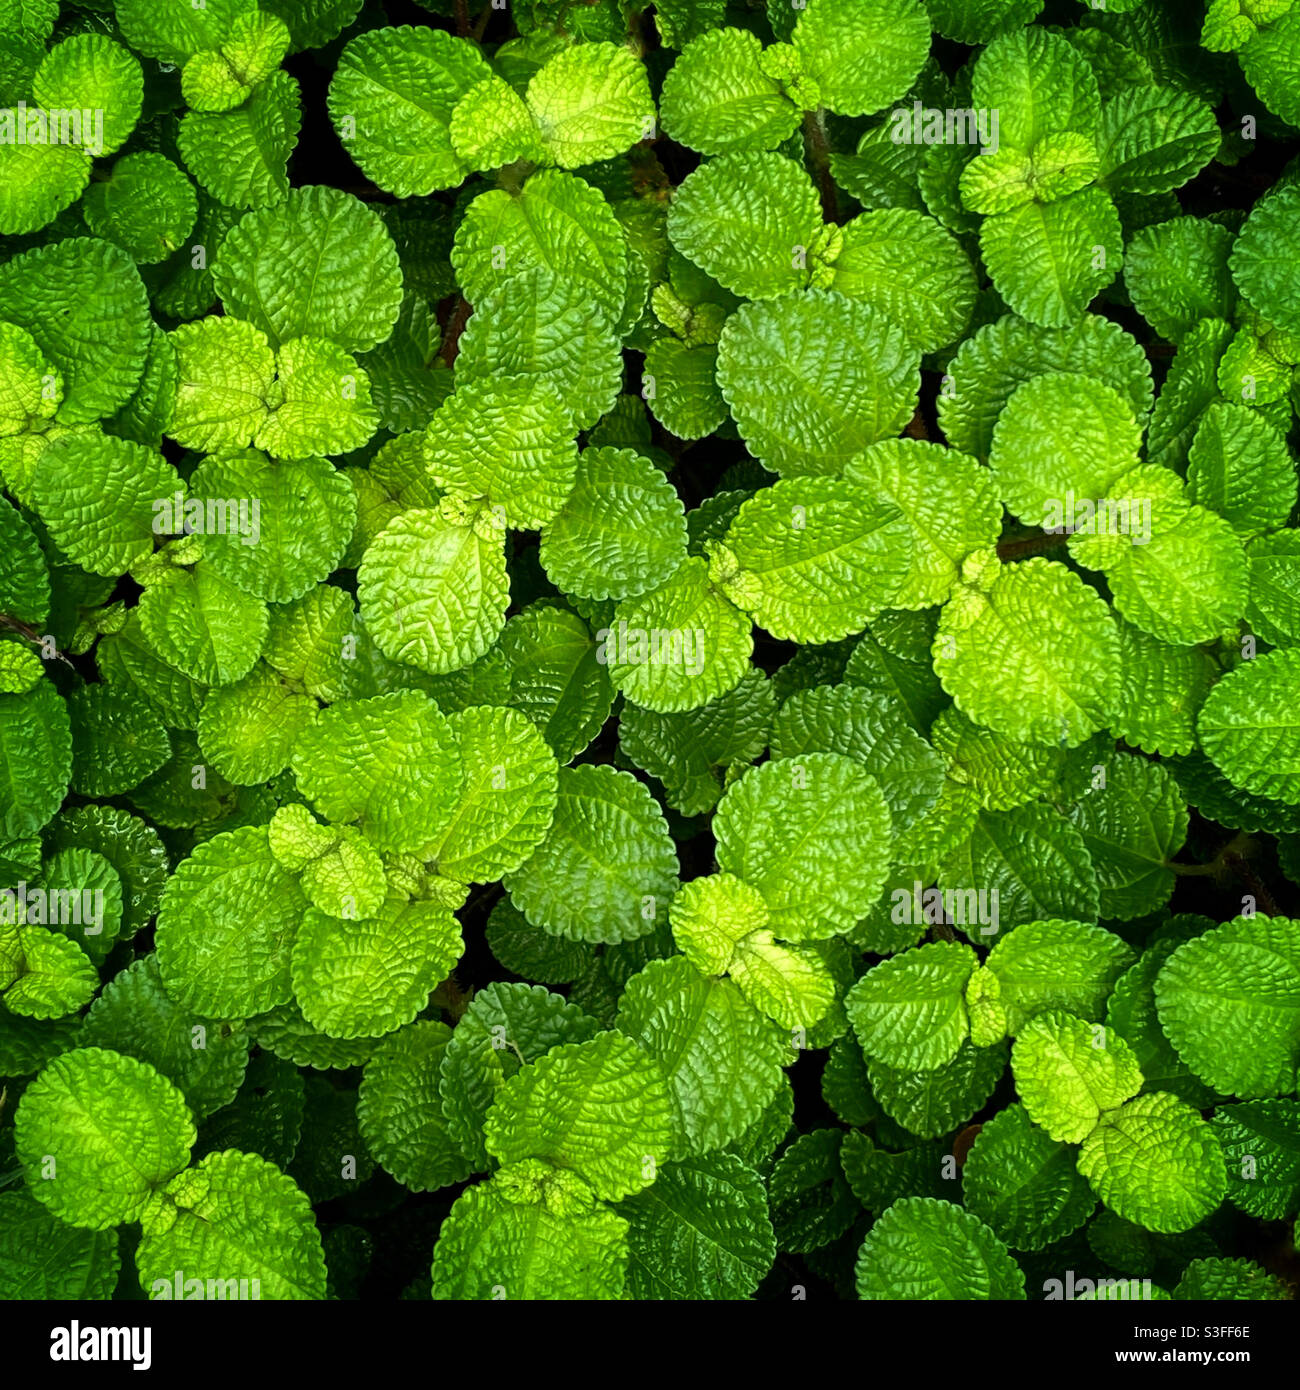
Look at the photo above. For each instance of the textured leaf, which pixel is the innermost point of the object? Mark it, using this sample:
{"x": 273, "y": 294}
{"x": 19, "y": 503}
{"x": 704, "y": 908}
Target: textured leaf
{"x": 804, "y": 393}
{"x": 717, "y": 98}
{"x": 1261, "y": 1144}
{"x": 606, "y": 869}
{"x": 210, "y": 630}
{"x": 1057, "y": 965}
{"x": 1250, "y": 727}
{"x": 1154, "y": 1161}
{"x": 1069, "y": 1073}
{"x": 1239, "y": 465}
{"x": 1263, "y": 255}
{"x": 923, "y": 1248}
{"x": 864, "y": 54}
{"x": 35, "y": 758}
{"x": 44, "y": 1258}
{"x": 811, "y": 834}
{"x": 590, "y": 102}
{"x": 909, "y": 1011}
{"x": 241, "y": 157}
{"x": 115, "y": 1129}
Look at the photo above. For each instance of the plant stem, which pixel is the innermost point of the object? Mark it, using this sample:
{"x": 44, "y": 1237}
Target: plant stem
{"x": 819, "y": 156}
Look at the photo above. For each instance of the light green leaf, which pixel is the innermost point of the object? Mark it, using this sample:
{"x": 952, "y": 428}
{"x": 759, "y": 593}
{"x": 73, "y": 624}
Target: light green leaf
{"x": 224, "y": 375}
{"x": 717, "y": 98}
{"x": 722, "y": 1059}
{"x": 171, "y": 30}
{"x": 1239, "y": 466}
{"x": 1069, "y": 1073}
{"x": 909, "y": 1011}
{"x": 606, "y": 869}
{"x": 1263, "y": 258}
{"x": 391, "y": 101}
{"x": 863, "y": 54}
{"x": 1229, "y": 1001}
{"x": 226, "y": 927}
{"x": 234, "y": 1216}
{"x": 1156, "y": 1162}
{"x": 811, "y": 833}
{"x": 923, "y": 1248}
{"x": 90, "y": 72}
{"x": 241, "y": 157}
{"x": 591, "y": 102}
{"x": 115, "y": 1129}
{"x": 775, "y": 360}
{"x": 207, "y": 628}
{"x": 1155, "y": 139}
{"x": 1176, "y": 274}
{"x": 1057, "y": 965}
{"x": 146, "y": 206}
{"x": 1249, "y": 726}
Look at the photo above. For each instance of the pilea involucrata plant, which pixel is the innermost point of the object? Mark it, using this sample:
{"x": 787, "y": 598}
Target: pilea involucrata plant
{"x": 574, "y": 574}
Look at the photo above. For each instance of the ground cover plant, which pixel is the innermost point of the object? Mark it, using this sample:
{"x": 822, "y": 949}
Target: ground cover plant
{"x": 649, "y": 654}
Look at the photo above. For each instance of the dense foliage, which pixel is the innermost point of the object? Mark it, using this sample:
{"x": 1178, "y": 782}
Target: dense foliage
{"x": 649, "y": 653}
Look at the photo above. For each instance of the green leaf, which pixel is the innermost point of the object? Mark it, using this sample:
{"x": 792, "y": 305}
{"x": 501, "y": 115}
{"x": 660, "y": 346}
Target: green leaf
{"x": 97, "y": 494}
{"x": 1224, "y": 1281}
{"x": 1161, "y": 689}
{"x": 96, "y": 920}
{"x": 909, "y": 1012}
{"x": 1055, "y": 965}
{"x": 1023, "y": 1183}
{"x": 1263, "y": 255}
{"x": 813, "y": 559}
{"x": 912, "y": 269}
{"x": 321, "y": 264}
{"x": 1062, "y": 435}
{"x": 701, "y": 1231}
{"x": 540, "y": 325}
{"x": 35, "y": 759}
{"x": 680, "y": 383}
{"x": 433, "y": 589}
{"x": 234, "y": 1216}
{"x": 721, "y": 1058}
{"x": 491, "y": 127}
{"x": 146, "y": 206}
{"x": 1155, "y": 139}
{"x": 356, "y": 979}
{"x": 224, "y": 377}
{"x": 934, "y": 1102}
{"x": 590, "y": 102}
{"x": 1176, "y": 274}
{"x": 1039, "y": 85}
{"x": 131, "y": 846}
{"x": 210, "y": 630}
{"x": 25, "y": 583}
{"x": 507, "y": 798}
{"x": 557, "y": 222}
{"x": 219, "y": 79}
{"x": 83, "y": 302}
{"x": 399, "y": 1113}
{"x": 136, "y": 1016}
{"x": 600, "y": 1109}
{"x": 391, "y": 101}
{"x": 39, "y": 181}
{"x": 1179, "y": 572}
{"x": 812, "y": 835}
{"x": 679, "y": 646}
{"x": 923, "y": 1248}
{"x": 509, "y": 442}
{"x": 294, "y": 539}
{"x": 390, "y": 763}
{"x": 492, "y": 1247}
{"x": 863, "y": 54}
{"x": 752, "y": 221}
{"x": 172, "y": 30}
{"x": 1156, "y": 1162}
{"x": 999, "y": 357}
{"x": 775, "y": 359}
{"x": 1049, "y": 260}
{"x": 1069, "y": 1073}
{"x": 717, "y": 98}
{"x": 49, "y": 975}
{"x": 116, "y": 742}
{"x": 1133, "y": 825}
{"x": 91, "y": 72}
{"x": 247, "y": 730}
{"x": 950, "y": 505}
{"x": 621, "y": 531}
{"x": 557, "y": 677}
{"x": 1261, "y": 1146}
{"x": 1055, "y": 672}
{"x": 321, "y": 403}
{"x": 606, "y": 869}
{"x": 44, "y": 1258}
{"x": 240, "y": 157}
{"x": 1239, "y": 466}
{"x": 1230, "y": 1003}
{"x": 1250, "y": 728}
{"x": 115, "y": 1131}
{"x": 226, "y": 927}
{"x": 858, "y": 724}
